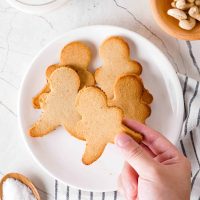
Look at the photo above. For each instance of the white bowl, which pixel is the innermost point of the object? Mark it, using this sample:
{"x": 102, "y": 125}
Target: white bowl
{"x": 58, "y": 152}
{"x": 36, "y": 6}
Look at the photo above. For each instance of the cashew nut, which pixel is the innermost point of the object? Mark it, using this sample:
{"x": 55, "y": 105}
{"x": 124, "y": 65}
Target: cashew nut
{"x": 183, "y": 5}
{"x": 186, "y": 11}
{"x": 177, "y": 14}
{"x": 187, "y": 24}
{"x": 194, "y": 12}
{"x": 197, "y": 2}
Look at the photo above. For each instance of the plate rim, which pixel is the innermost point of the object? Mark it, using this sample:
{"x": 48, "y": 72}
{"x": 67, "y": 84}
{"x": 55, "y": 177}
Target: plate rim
{"x": 171, "y": 71}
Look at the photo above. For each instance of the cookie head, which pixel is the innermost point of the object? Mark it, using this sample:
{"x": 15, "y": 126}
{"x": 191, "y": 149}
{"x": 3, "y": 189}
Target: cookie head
{"x": 114, "y": 48}
{"x": 89, "y": 98}
{"x": 64, "y": 80}
{"x": 124, "y": 83}
{"x": 131, "y": 96}
{"x": 76, "y": 54}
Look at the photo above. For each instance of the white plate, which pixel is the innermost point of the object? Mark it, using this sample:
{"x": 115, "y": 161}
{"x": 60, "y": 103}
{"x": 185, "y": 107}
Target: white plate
{"x": 59, "y": 153}
{"x": 36, "y": 6}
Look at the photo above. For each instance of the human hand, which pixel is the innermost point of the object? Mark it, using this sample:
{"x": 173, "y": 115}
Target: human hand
{"x": 155, "y": 169}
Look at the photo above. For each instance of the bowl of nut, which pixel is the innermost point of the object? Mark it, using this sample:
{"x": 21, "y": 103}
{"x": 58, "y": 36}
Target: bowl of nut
{"x": 178, "y": 18}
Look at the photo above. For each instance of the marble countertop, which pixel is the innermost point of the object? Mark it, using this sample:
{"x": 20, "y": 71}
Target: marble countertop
{"x": 23, "y": 35}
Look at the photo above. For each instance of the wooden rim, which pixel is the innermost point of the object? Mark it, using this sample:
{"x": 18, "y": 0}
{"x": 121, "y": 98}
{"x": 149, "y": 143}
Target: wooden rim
{"x": 23, "y": 180}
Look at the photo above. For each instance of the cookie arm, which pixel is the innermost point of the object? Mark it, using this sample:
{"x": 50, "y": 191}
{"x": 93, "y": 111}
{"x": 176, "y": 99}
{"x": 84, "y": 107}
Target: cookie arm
{"x": 42, "y": 127}
{"x": 42, "y": 100}
{"x": 36, "y": 99}
{"x": 147, "y": 97}
{"x": 86, "y": 78}
{"x": 136, "y": 66}
{"x": 51, "y": 69}
{"x": 136, "y": 136}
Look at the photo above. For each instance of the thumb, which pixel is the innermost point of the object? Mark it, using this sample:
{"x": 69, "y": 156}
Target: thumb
{"x": 134, "y": 154}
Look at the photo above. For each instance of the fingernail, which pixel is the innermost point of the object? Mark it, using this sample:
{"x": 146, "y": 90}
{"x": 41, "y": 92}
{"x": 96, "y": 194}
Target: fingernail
{"x": 122, "y": 140}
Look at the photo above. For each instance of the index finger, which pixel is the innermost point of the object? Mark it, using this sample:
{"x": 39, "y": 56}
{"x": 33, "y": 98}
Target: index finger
{"x": 154, "y": 140}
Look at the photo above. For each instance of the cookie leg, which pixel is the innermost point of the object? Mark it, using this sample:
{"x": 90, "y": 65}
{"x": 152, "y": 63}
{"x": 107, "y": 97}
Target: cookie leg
{"x": 42, "y": 127}
{"x": 92, "y": 152}
{"x": 36, "y": 99}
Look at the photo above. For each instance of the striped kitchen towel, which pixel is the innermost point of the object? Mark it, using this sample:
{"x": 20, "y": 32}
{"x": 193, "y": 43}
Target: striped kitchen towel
{"x": 189, "y": 141}
{"x": 189, "y": 144}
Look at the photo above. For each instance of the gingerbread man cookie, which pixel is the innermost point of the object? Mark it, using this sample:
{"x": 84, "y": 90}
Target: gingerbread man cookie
{"x": 115, "y": 54}
{"x": 77, "y": 56}
{"x": 59, "y": 104}
{"x": 99, "y": 123}
{"x": 131, "y": 96}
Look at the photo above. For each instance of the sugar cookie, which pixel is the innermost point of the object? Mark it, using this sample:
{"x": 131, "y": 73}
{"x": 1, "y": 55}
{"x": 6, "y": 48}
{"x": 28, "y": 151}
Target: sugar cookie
{"x": 115, "y": 54}
{"x": 99, "y": 123}
{"x": 59, "y": 104}
{"x": 131, "y": 96}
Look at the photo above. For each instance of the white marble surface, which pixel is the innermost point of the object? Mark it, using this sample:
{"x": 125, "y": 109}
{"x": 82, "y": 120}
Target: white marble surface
{"x": 22, "y": 35}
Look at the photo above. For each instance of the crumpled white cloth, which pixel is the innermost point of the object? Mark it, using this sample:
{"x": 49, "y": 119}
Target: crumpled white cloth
{"x": 189, "y": 144}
